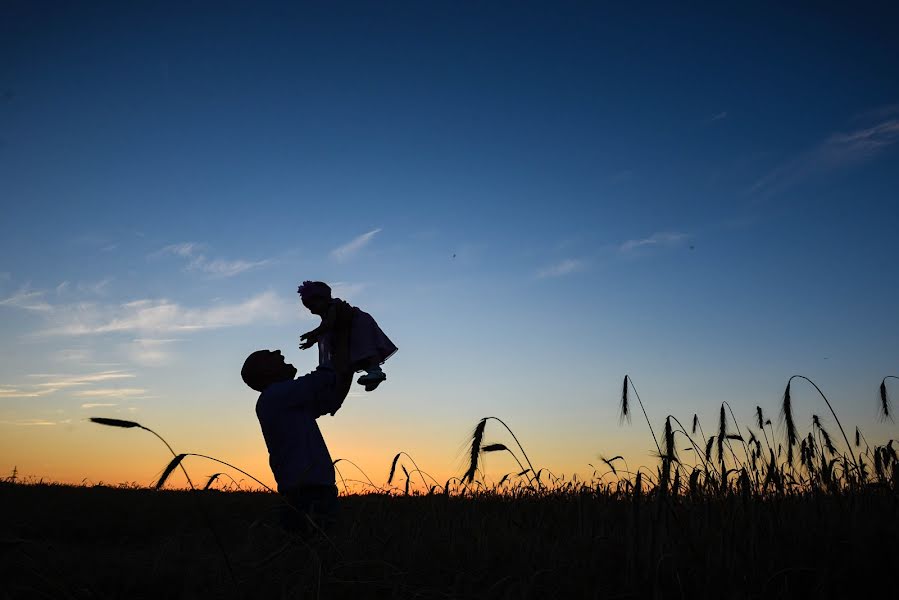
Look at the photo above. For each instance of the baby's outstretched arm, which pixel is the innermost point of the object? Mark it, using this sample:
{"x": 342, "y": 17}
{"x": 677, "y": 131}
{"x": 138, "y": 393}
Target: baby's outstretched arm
{"x": 310, "y": 338}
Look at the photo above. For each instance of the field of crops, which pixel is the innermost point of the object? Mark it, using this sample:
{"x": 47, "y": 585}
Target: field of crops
{"x": 737, "y": 514}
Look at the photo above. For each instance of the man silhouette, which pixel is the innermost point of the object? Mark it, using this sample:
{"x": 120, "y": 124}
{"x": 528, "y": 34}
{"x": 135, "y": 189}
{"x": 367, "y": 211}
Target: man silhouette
{"x": 287, "y": 409}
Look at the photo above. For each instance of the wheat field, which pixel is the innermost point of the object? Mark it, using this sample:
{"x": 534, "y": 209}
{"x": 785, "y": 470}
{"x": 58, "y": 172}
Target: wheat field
{"x": 740, "y": 513}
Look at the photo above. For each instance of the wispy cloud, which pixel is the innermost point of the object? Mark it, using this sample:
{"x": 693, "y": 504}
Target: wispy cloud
{"x": 27, "y": 299}
{"x": 878, "y": 113}
{"x": 659, "y": 239}
{"x": 53, "y": 382}
{"x": 98, "y": 404}
{"x": 718, "y": 117}
{"x": 96, "y": 288}
{"x": 197, "y": 260}
{"x": 153, "y": 317}
{"x": 569, "y": 265}
{"x": 839, "y": 150}
{"x": 348, "y": 250}
{"x": 150, "y": 352}
{"x": 73, "y": 355}
{"x": 14, "y": 392}
{"x": 30, "y": 422}
{"x": 110, "y": 393}
{"x": 58, "y": 382}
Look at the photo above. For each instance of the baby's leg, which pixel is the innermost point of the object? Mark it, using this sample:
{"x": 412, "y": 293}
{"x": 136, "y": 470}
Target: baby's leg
{"x": 373, "y": 373}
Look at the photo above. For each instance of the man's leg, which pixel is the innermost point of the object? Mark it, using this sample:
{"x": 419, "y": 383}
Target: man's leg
{"x": 310, "y": 504}
{"x": 311, "y": 492}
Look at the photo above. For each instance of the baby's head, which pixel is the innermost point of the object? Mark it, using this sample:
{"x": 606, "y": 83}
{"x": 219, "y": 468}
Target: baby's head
{"x": 315, "y": 295}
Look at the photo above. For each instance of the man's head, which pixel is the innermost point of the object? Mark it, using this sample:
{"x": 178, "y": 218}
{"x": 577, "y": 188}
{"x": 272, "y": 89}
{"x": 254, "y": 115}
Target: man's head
{"x": 315, "y": 296}
{"x": 265, "y": 367}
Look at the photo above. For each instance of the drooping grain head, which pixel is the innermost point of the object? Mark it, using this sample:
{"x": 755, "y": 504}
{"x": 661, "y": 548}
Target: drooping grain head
{"x": 476, "y": 438}
{"x": 114, "y": 422}
{"x": 722, "y": 433}
{"x": 609, "y": 463}
{"x": 752, "y": 439}
{"x": 625, "y": 405}
{"x": 168, "y": 470}
{"x": 493, "y": 448}
{"x": 787, "y": 411}
{"x": 708, "y": 448}
{"x": 828, "y": 443}
{"x": 670, "y": 450}
{"x": 393, "y": 468}
{"x": 886, "y": 410}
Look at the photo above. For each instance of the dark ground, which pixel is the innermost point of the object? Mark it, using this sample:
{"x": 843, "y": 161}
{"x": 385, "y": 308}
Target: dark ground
{"x": 102, "y": 542}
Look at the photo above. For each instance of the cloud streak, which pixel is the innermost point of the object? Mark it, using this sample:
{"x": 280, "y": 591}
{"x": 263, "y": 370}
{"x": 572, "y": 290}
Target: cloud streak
{"x": 14, "y": 392}
{"x": 150, "y": 352}
{"x": 197, "y": 261}
{"x": 659, "y": 239}
{"x": 28, "y": 422}
{"x": 838, "y": 151}
{"x": 111, "y": 393}
{"x": 58, "y": 382}
{"x": 565, "y": 267}
{"x": 153, "y": 317}
{"x": 351, "y": 248}
{"x": 55, "y": 382}
{"x": 27, "y": 299}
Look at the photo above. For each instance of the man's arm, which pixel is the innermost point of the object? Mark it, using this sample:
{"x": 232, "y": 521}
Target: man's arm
{"x": 340, "y": 361}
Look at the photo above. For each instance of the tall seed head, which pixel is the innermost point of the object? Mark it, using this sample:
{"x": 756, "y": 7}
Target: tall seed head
{"x": 393, "y": 468}
{"x": 476, "y": 437}
{"x": 114, "y": 422}
{"x": 788, "y": 419}
{"x": 670, "y": 450}
{"x": 625, "y": 407}
{"x": 168, "y": 470}
{"x": 886, "y": 410}
{"x": 494, "y": 448}
{"x": 722, "y": 433}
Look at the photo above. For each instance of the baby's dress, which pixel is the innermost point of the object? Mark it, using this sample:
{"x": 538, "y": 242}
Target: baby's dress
{"x": 366, "y": 337}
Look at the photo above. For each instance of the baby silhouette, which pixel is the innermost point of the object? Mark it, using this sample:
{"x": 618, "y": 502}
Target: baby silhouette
{"x": 368, "y": 346}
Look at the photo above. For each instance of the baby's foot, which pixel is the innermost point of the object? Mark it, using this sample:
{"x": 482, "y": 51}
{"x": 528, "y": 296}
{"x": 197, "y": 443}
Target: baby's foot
{"x": 372, "y": 380}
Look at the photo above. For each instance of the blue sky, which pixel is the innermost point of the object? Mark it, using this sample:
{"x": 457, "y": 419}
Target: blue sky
{"x": 532, "y": 199}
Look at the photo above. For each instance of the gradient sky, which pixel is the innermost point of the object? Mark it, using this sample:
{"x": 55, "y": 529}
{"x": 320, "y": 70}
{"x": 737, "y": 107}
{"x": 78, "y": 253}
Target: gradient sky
{"x": 532, "y": 199}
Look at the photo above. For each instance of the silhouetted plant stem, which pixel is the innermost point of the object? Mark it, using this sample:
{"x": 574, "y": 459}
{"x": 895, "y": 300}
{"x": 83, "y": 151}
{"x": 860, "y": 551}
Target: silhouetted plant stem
{"x": 478, "y": 436}
{"x": 364, "y": 474}
{"x": 205, "y": 516}
{"x": 836, "y": 418}
{"x": 625, "y": 410}
{"x": 886, "y": 410}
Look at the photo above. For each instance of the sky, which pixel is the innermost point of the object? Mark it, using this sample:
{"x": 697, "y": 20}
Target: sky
{"x": 532, "y": 200}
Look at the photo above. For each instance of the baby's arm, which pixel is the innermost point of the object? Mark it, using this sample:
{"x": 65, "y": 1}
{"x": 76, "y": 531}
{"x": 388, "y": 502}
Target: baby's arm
{"x": 311, "y": 337}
